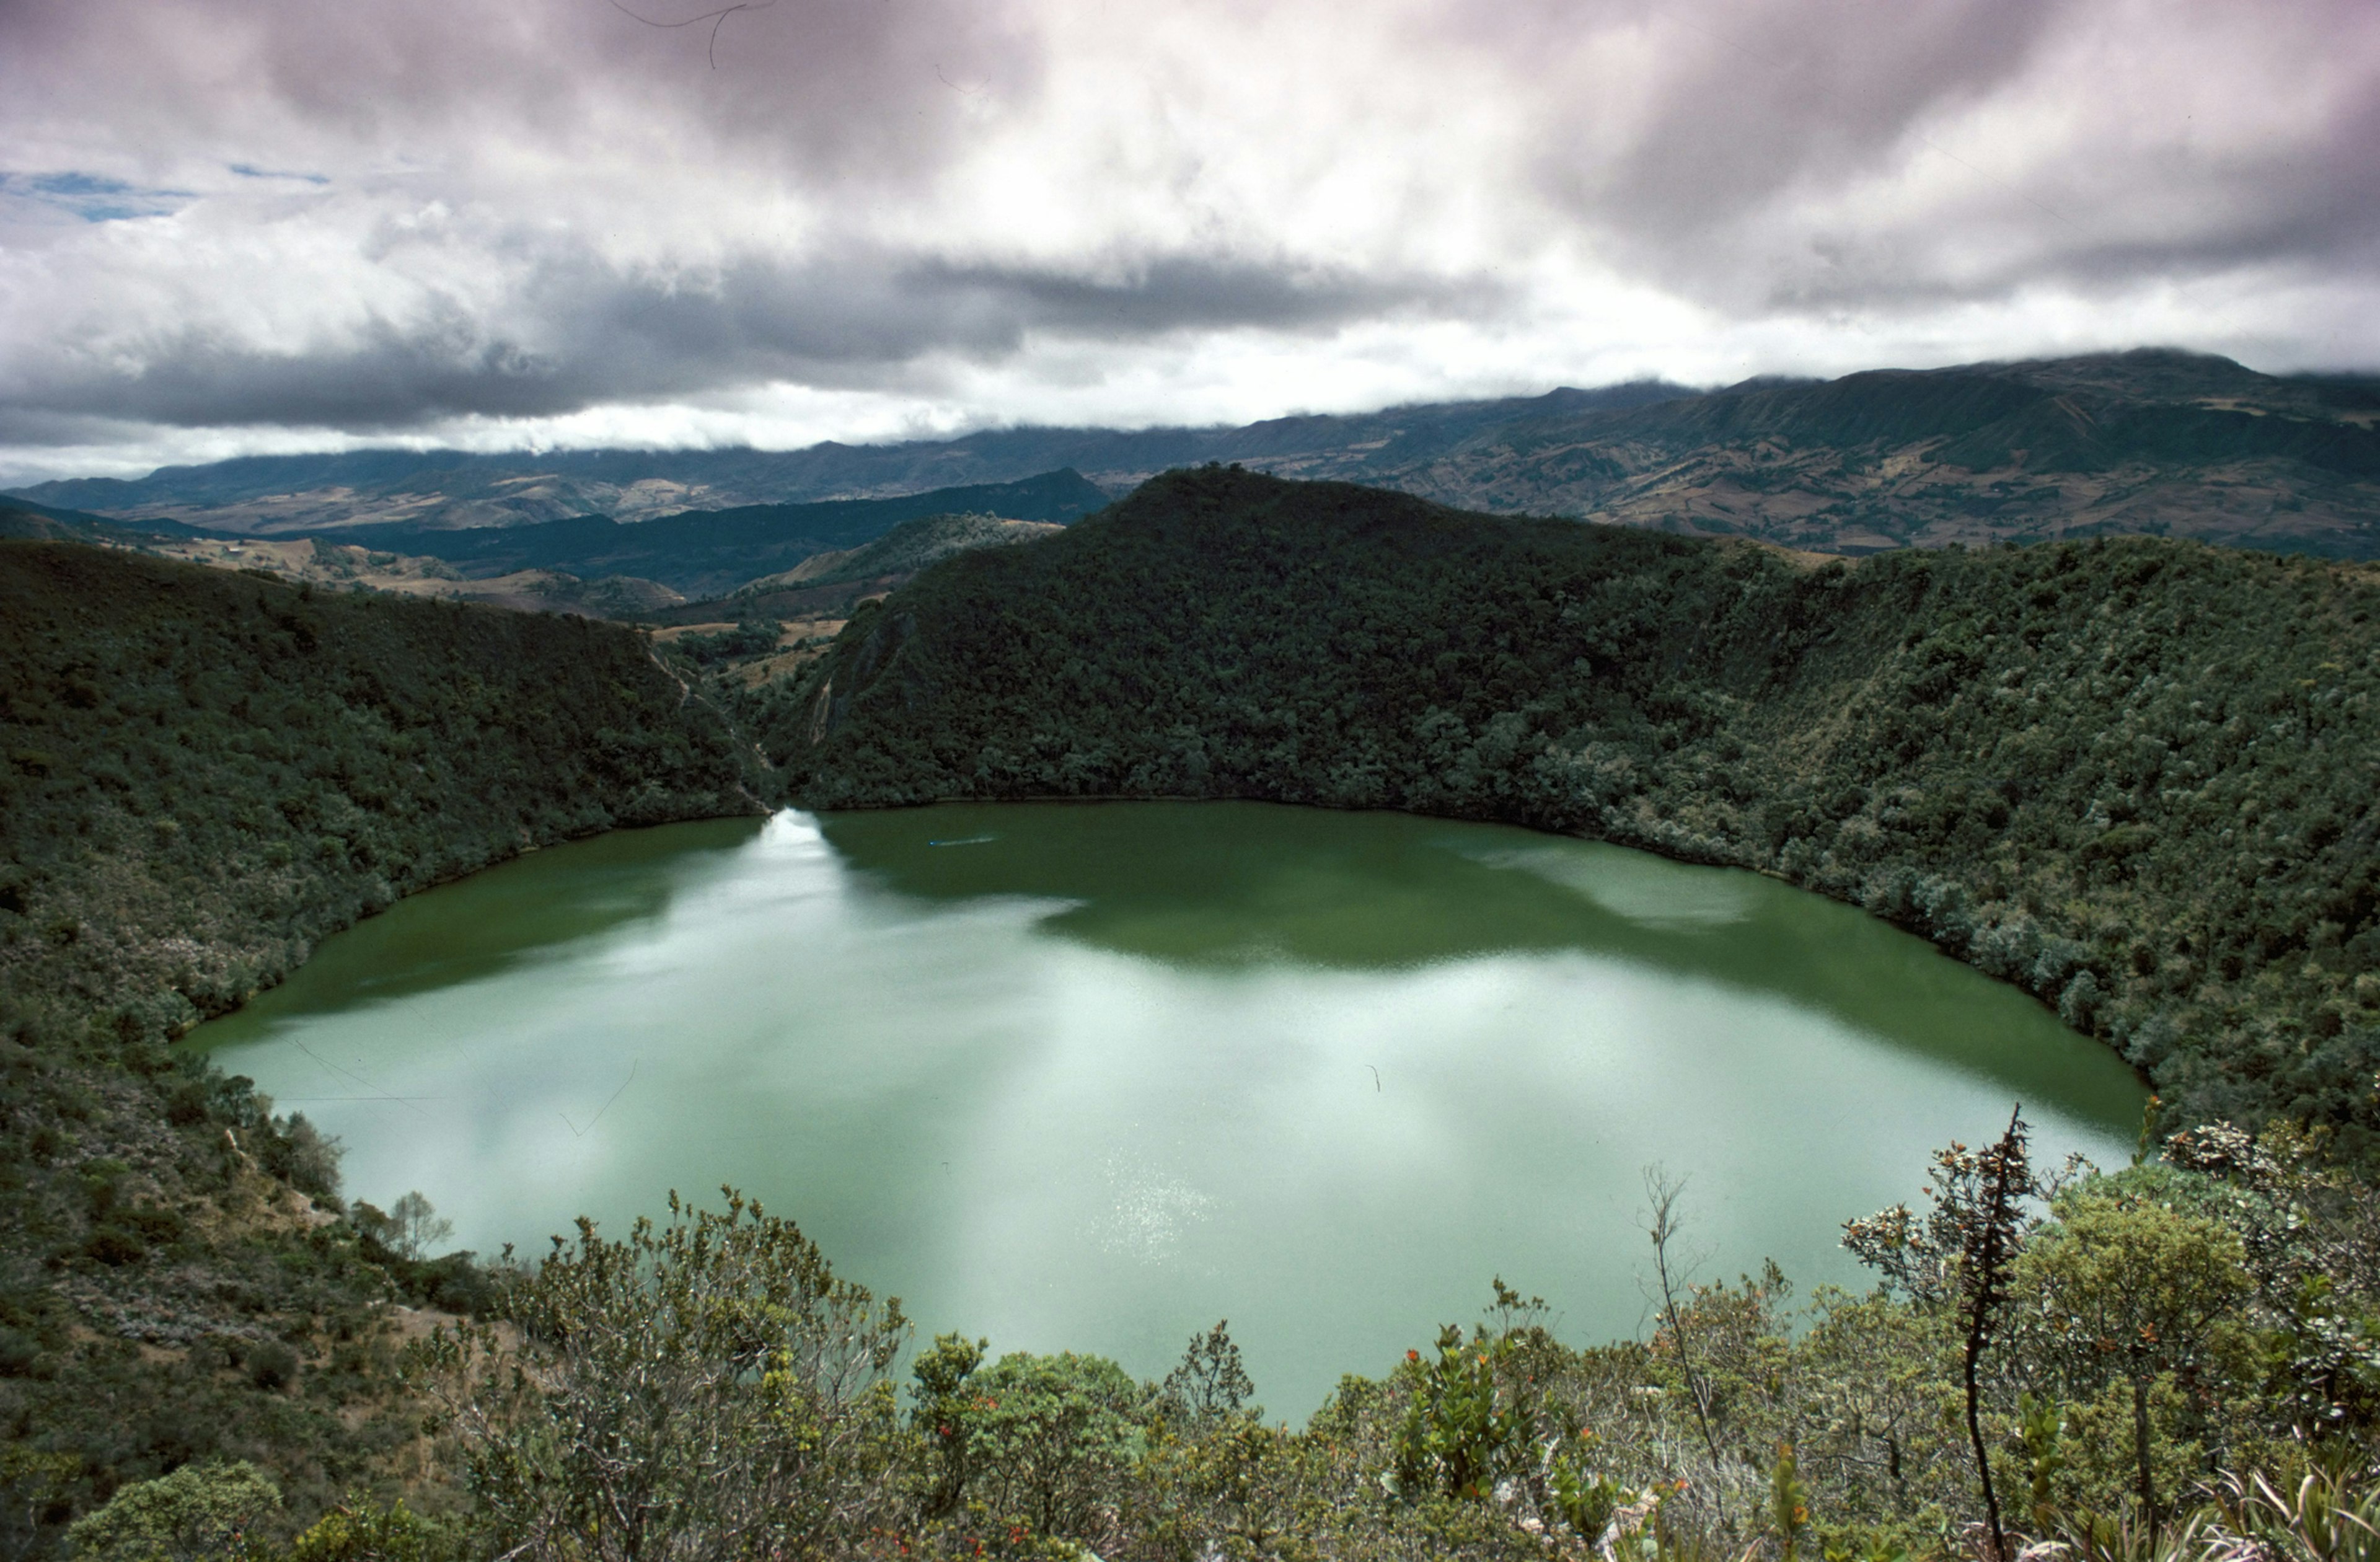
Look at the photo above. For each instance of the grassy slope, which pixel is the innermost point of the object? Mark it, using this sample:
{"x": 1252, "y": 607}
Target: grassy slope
{"x": 201, "y": 773}
{"x": 2132, "y": 778}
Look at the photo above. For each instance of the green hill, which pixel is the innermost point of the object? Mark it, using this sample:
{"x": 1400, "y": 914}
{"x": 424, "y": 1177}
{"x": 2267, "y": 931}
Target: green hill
{"x": 2133, "y": 777}
{"x": 25, "y": 520}
{"x": 2153, "y": 442}
{"x": 706, "y": 553}
{"x": 207, "y": 771}
{"x": 202, "y": 773}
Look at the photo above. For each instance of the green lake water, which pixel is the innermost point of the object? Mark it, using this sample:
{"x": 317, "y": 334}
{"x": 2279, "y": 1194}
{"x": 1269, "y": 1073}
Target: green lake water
{"x": 1093, "y": 1076}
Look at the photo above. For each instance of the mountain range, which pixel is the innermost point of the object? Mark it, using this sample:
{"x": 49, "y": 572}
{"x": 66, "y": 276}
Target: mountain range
{"x": 268, "y": 494}
{"x": 593, "y": 564}
{"x": 2155, "y": 441}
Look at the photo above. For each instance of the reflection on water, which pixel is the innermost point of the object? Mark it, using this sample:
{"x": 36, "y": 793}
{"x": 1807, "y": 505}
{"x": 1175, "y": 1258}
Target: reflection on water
{"x": 1641, "y": 888}
{"x": 1094, "y": 1076}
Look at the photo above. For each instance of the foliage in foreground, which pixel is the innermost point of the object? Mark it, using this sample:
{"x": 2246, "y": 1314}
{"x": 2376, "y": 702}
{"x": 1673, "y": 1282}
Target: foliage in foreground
{"x": 2179, "y": 1359}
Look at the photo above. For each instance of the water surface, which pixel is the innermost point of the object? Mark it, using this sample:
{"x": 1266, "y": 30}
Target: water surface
{"x": 1092, "y": 1077}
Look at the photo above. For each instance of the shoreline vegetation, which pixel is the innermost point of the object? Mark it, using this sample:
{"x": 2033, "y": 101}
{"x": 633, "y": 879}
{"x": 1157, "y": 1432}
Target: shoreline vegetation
{"x": 2130, "y": 776}
{"x": 202, "y": 775}
{"x": 2140, "y": 770}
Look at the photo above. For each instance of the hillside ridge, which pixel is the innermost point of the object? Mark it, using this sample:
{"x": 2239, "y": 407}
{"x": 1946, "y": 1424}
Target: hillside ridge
{"x": 2132, "y": 776}
{"x": 2151, "y": 441}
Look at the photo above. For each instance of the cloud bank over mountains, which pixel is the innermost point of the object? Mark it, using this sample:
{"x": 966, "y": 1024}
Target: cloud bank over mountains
{"x": 234, "y": 226}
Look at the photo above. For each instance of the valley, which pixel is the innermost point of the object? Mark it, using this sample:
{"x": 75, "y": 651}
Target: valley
{"x": 2129, "y": 776}
{"x": 1197, "y": 782}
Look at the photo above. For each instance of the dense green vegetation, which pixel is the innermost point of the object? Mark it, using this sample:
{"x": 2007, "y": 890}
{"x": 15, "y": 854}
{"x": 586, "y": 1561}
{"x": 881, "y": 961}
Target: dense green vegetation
{"x": 207, "y": 772}
{"x": 710, "y": 1387}
{"x": 2133, "y": 777}
{"x": 204, "y": 774}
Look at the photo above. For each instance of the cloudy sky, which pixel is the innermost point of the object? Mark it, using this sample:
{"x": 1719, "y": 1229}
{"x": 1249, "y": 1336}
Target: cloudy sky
{"x": 237, "y": 225}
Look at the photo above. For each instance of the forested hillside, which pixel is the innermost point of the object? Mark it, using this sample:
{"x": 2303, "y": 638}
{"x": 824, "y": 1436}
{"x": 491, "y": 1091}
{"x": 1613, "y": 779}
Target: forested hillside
{"x": 2130, "y": 776}
{"x": 2133, "y": 777}
{"x": 2151, "y": 441}
{"x": 206, "y": 773}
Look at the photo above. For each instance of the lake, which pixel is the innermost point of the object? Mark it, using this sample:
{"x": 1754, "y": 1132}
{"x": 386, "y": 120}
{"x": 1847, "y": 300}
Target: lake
{"x": 1091, "y": 1077}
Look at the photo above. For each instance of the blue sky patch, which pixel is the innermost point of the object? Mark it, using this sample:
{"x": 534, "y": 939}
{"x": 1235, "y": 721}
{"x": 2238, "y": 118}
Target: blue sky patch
{"x": 251, "y": 171}
{"x": 93, "y": 198}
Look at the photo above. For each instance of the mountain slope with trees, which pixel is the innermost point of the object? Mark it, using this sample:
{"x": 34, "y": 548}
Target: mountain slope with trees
{"x": 202, "y": 775}
{"x": 2135, "y": 777}
{"x": 2147, "y": 442}
{"x": 450, "y": 489}
{"x": 2051, "y": 753}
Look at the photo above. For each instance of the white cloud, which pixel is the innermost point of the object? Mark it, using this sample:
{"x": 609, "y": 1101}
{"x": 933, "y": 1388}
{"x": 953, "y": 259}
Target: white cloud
{"x": 241, "y": 226}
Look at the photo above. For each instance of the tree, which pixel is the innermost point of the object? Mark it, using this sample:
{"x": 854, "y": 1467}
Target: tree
{"x": 707, "y": 1388}
{"x": 1051, "y": 1439}
{"x": 1960, "y": 1257}
{"x": 1663, "y": 1192}
{"x": 1209, "y": 1385}
{"x": 414, "y": 1227}
{"x": 1868, "y": 1402}
{"x": 2122, "y": 1291}
{"x": 198, "y": 1512}
{"x": 941, "y": 1420}
{"x": 1475, "y": 1417}
{"x": 1210, "y": 1475}
{"x": 361, "y": 1531}
{"x": 1789, "y": 1502}
{"x": 2311, "y": 1229}
{"x": 32, "y": 1483}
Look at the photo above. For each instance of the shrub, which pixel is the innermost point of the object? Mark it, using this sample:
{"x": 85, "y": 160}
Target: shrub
{"x": 197, "y": 1514}
{"x": 271, "y": 1365}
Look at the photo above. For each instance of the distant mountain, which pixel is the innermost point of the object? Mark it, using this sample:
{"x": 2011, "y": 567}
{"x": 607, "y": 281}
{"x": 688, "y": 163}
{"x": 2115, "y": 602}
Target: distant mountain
{"x": 264, "y": 495}
{"x": 38, "y": 522}
{"x": 2152, "y": 442}
{"x": 2155, "y": 441}
{"x": 905, "y": 549}
{"x": 709, "y": 552}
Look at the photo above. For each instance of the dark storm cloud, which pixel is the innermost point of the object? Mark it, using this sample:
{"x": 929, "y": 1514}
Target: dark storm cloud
{"x": 1758, "y": 110}
{"x": 587, "y": 335}
{"x": 828, "y": 87}
{"x": 231, "y": 213}
{"x": 851, "y": 314}
{"x": 1759, "y": 99}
